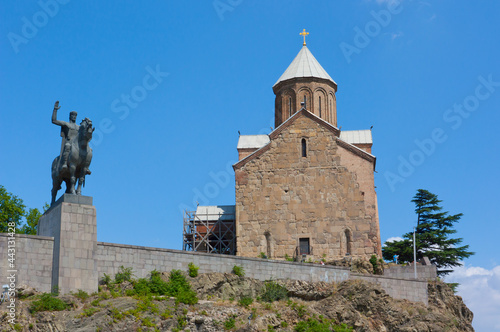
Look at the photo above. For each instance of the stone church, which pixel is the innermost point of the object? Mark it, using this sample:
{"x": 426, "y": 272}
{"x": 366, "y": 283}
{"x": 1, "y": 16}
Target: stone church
{"x": 306, "y": 190}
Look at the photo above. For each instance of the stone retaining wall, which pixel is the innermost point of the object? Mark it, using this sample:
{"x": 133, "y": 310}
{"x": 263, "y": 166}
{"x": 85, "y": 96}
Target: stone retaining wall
{"x": 424, "y": 272}
{"x": 111, "y": 256}
{"x": 34, "y": 266}
{"x": 413, "y": 290}
{"x": 33, "y": 260}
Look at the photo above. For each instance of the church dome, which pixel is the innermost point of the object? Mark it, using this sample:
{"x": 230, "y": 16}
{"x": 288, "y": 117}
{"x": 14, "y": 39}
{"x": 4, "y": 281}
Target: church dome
{"x": 304, "y": 65}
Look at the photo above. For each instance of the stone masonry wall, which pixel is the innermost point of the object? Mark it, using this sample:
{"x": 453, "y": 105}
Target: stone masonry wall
{"x": 34, "y": 266}
{"x": 413, "y": 290}
{"x": 424, "y": 272}
{"x": 33, "y": 260}
{"x": 282, "y": 196}
{"x": 143, "y": 260}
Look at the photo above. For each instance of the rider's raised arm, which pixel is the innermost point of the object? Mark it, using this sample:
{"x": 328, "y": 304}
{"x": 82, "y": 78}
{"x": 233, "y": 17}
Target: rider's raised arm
{"x": 54, "y": 115}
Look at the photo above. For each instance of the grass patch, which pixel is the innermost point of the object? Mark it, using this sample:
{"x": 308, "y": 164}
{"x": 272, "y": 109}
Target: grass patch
{"x": 314, "y": 325}
{"x": 125, "y": 274}
{"x": 89, "y": 312}
{"x": 48, "y": 302}
{"x": 177, "y": 286}
{"x": 245, "y": 301}
{"x": 193, "y": 270}
{"x": 229, "y": 323}
{"x": 82, "y": 295}
{"x": 274, "y": 292}
{"x": 239, "y": 271}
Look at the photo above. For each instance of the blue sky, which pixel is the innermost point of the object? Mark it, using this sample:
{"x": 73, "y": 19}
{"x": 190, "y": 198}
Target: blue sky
{"x": 168, "y": 84}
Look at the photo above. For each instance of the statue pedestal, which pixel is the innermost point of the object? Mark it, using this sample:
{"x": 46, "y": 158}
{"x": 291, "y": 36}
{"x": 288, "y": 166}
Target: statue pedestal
{"x": 72, "y": 223}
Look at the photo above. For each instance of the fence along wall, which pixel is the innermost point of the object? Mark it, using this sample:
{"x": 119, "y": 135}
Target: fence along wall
{"x": 33, "y": 260}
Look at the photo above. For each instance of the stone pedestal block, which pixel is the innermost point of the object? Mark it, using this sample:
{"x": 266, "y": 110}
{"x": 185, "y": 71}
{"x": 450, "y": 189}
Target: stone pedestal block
{"x": 72, "y": 223}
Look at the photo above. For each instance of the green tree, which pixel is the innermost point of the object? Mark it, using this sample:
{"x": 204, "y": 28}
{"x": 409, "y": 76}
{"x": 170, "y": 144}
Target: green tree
{"x": 13, "y": 211}
{"x": 433, "y": 236}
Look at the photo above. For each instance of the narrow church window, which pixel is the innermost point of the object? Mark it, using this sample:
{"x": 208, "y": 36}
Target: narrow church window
{"x": 320, "y": 107}
{"x": 331, "y": 111}
{"x": 289, "y": 106}
{"x": 304, "y": 148}
{"x": 305, "y": 101}
{"x": 304, "y": 246}
{"x": 348, "y": 242}
{"x": 268, "y": 244}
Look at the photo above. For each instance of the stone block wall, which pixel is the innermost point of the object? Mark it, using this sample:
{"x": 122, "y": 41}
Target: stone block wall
{"x": 143, "y": 260}
{"x": 34, "y": 266}
{"x": 424, "y": 272}
{"x": 413, "y": 290}
{"x": 33, "y": 260}
{"x": 327, "y": 197}
{"x": 74, "y": 229}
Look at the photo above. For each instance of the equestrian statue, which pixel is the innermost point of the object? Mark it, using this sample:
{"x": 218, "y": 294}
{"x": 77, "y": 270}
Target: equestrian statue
{"x": 74, "y": 159}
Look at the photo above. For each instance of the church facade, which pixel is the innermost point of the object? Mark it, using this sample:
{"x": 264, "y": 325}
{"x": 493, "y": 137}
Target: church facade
{"x": 306, "y": 190}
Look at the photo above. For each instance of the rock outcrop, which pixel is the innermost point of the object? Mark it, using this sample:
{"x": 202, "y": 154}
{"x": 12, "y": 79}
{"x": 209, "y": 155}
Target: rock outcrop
{"x": 360, "y": 305}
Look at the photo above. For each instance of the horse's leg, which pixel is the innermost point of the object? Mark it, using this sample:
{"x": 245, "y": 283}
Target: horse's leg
{"x": 55, "y": 188}
{"x": 81, "y": 179}
{"x": 72, "y": 178}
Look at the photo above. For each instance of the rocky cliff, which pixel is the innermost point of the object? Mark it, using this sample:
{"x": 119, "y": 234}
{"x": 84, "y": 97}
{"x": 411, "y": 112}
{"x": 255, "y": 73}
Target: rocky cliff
{"x": 231, "y": 303}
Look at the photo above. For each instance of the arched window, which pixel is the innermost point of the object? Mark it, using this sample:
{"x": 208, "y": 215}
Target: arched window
{"x": 348, "y": 242}
{"x": 267, "y": 234}
{"x": 304, "y": 148}
{"x": 320, "y": 106}
{"x": 305, "y": 101}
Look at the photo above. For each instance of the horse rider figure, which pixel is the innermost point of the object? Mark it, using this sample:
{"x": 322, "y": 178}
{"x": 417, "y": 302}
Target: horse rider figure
{"x": 69, "y": 130}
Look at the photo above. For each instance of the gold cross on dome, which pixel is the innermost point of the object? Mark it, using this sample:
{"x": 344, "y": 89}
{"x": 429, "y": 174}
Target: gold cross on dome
{"x": 304, "y": 33}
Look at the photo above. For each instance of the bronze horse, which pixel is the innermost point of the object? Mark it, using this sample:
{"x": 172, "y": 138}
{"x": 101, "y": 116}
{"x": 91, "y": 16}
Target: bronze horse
{"x": 78, "y": 164}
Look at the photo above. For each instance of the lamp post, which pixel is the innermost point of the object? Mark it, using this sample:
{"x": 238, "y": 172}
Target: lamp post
{"x": 414, "y": 253}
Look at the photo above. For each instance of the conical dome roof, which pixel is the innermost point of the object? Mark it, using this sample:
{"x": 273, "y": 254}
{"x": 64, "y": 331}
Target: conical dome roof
{"x": 304, "y": 65}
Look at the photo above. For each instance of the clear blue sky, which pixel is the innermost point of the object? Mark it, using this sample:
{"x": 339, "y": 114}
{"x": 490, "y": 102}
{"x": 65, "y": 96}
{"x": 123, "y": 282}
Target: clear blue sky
{"x": 416, "y": 73}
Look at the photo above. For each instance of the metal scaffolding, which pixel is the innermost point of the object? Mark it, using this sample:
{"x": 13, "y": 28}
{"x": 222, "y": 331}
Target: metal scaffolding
{"x": 210, "y": 229}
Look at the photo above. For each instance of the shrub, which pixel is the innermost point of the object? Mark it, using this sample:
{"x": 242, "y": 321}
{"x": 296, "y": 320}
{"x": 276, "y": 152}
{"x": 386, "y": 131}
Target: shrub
{"x": 106, "y": 280}
{"x": 229, "y": 323}
{"x": 48, "y": 302}
{"x": 125, "y": 274}
{"x": 193, "y": 270}
{"x": 89, "y": 312}
{"x": 374, "y": 262}
{"x": 176, "y": 286}
{"x": 245, "y": 301}
{"x": 239, "y": 271}
{"x": 274, "y": 292}
{"x": 82, "y": 295}
{"x": 262, "y": 255}
{"x": 313, "y": 325}
{"x": 288, "y": 258}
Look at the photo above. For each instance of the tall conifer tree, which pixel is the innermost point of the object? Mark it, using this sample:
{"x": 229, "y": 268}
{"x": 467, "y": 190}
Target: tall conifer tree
{"x": 433, "y": 236}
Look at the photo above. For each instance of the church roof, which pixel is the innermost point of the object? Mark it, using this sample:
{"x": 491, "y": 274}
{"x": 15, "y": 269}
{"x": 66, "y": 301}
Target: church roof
{"x": 357, "y": 136}
{"x": 252, "y": 141}
{"x": 303, "y": 112}
{"x": 304, "y": 65}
